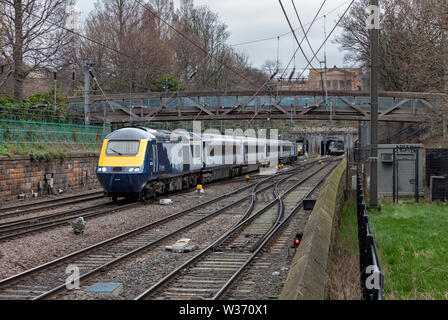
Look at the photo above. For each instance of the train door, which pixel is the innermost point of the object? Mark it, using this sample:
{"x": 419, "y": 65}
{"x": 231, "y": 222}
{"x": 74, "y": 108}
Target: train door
{"x": 186, "y": 157}
{"x": 196, "y": 155}
{"x": 151, "y": 156}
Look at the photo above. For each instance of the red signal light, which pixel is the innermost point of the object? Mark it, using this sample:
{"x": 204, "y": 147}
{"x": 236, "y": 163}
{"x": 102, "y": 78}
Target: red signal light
{"x": 298, "y": 239}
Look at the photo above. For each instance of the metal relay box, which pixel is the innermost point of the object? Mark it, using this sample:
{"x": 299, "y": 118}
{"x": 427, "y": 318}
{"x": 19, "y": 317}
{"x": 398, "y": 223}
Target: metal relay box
{"x": 400, "y": 166}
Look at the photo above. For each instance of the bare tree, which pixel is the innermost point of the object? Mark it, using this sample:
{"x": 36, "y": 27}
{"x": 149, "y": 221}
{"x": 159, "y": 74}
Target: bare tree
{"x": 270, "y": 66}
{"x": 140, "y": 55}
{"x": 34, "y": 37}
{"x": 204, "y": 28}
{"x": 410, "y": 43}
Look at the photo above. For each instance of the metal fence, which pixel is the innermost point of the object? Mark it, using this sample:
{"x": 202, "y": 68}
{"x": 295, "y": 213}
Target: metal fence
{"x": 40, "y": 113}
{"x": 28, "y": 134}
{"x": 372, "y": 278}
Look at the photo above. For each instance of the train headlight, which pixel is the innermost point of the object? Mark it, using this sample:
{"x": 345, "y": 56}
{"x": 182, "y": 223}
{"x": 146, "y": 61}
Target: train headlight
{"x": 131, "y": 170}
{"x": 102, "y": 169}
{"x": 137, "y": 170}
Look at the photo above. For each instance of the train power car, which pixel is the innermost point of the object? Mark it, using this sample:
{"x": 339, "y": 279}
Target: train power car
{"x": 138, "y": 162}
{"x": 335, "y": 147}
{"x": 302, "y": 147}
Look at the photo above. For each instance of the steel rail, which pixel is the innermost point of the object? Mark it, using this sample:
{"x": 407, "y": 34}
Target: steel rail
{"x": 50, "y": 264}
{"x": 214, "y": 245}
{"x": 60, "y": 288}
{"x": 25, "y": 209}
{"x": 265, "y": 241}
{"x": 25, "y": 226}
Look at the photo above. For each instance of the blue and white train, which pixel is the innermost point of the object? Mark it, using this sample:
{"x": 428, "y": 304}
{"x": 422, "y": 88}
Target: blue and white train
{"x": 138, "y": 162}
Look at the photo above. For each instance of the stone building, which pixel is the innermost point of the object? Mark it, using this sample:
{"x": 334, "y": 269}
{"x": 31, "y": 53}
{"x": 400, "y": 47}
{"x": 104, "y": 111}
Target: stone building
{"x": 38, "y": 81}
{"x": 344, "y": 79}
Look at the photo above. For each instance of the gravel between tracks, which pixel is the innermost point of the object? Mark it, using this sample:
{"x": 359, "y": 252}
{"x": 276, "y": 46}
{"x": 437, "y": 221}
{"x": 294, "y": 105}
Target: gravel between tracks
{"x": 137, "y": 275}
{"x": 33, "y": 250}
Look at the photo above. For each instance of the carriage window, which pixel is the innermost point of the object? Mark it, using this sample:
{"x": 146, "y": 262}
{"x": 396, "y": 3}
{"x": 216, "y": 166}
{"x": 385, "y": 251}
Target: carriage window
{"x": 122, "y": 147}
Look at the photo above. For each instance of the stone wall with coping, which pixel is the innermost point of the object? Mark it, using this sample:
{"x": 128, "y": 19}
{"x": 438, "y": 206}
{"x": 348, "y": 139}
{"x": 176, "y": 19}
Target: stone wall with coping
{"x": 22, "y": 175}
{"x": 307, "y": 277}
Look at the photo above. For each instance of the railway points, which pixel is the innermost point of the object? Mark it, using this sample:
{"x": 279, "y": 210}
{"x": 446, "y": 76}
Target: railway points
{"x": 128, "y": 247}
{"x": 155, "y": 161}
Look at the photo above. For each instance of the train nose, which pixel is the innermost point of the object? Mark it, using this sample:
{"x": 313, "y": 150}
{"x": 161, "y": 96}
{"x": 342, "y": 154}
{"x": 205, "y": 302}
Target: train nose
{"x": 123, "y": 183}
{"x": 120, "y": 183}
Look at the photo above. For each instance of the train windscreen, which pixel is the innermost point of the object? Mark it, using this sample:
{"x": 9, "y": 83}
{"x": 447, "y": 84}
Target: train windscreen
{"x": 122, "y": 147}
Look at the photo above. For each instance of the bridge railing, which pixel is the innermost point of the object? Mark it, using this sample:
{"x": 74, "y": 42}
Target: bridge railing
{"x": 372, "y": 278}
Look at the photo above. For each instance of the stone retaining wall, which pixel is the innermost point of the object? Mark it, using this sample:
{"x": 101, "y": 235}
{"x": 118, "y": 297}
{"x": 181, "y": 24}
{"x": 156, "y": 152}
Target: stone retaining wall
{"x": 21, "y": 175}
{"x": 307, "y": 277}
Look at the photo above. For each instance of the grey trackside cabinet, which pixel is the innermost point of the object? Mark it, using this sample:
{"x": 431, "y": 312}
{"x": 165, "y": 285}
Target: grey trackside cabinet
{"x": 399, "y": 167}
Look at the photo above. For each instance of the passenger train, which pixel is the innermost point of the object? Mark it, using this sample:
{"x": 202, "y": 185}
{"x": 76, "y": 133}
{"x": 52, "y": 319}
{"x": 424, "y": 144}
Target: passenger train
{"x": 335, "y": 147}
{"x": 138, "y": 162}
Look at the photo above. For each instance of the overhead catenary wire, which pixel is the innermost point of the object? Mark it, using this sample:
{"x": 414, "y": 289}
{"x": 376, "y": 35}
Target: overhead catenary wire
{"x": 289, "y": 32}
{"x": 292, "y": 58}
{"x": 303, "y": 39}
{"x": 329, "y": 35}
{"x": 303, "y": 27}
{"x": 295, "y": 36}
{"x": 304, "y": 69}
{"x": 134, "y": 58}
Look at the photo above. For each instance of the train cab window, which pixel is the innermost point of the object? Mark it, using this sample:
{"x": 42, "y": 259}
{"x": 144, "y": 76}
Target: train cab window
{"x": 122, "y": 147}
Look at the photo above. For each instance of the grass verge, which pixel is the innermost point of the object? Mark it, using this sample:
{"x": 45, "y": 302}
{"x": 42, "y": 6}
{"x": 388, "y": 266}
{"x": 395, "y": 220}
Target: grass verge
{"x": 343, "y": 275}
{"x": 412, "y": 240}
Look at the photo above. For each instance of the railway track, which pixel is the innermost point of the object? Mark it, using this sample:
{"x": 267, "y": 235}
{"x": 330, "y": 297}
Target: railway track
{"x": 47, "y": 280}
{"x": 25, "y": 226}
{"x": 28, "y": 208}
{"x": 10, "y": 230}
{"x": 214, "y": 270}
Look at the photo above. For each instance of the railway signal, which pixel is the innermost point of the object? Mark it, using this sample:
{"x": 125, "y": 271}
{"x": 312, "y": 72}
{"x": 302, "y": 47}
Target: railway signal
{"x": 298, "y": 239}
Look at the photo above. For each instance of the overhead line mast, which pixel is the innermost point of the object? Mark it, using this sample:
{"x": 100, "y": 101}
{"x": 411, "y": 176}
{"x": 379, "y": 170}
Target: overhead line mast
{"x": 373, "y": 25}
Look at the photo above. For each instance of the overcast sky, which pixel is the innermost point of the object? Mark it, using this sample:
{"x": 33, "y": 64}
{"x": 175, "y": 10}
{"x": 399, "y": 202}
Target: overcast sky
{"x": 252, "y": 20}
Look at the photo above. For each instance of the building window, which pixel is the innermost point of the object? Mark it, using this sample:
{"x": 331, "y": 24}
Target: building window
{"x": 335, "y": 84}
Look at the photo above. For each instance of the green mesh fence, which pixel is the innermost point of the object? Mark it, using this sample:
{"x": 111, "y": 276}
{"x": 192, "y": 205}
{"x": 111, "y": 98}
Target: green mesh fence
{"x": 46, "y": 134}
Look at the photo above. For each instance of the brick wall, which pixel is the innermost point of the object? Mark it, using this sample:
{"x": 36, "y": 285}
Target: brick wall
{"x": 19, "y": 174}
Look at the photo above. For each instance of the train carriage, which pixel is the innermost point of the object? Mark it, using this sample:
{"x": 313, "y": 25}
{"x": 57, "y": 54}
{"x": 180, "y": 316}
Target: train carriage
{"x": 138, "y": 162}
